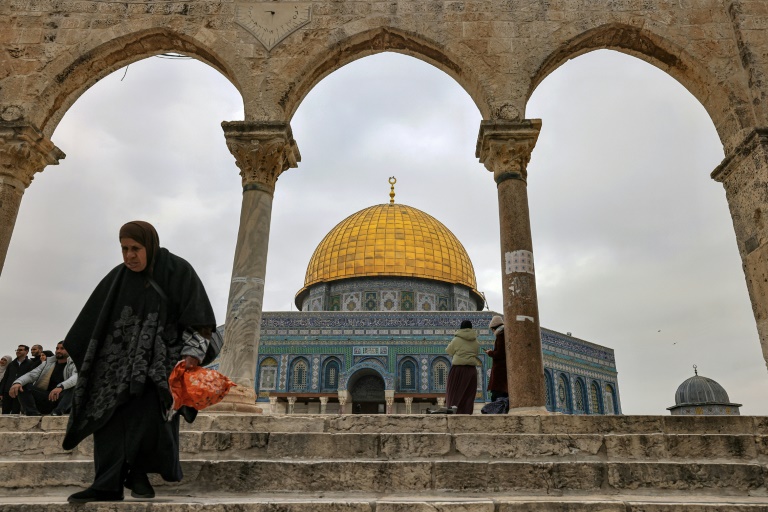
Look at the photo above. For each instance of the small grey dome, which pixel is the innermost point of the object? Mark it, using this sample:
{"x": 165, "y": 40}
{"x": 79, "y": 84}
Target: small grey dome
{"x": 700, "y": 390}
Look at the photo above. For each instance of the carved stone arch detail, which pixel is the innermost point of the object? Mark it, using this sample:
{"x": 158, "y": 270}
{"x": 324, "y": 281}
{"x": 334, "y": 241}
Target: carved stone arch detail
{"x": 389, "y": 379}
{"x": 388, "y": 39}
{"x": 663, "y": 53}
{"x": 74, "y": 77}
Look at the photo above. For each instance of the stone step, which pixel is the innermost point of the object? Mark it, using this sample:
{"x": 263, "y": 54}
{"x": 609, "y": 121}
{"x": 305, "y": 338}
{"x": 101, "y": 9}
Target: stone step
{"x": 328, "y": 502}
{"x": 28, "y": 478}
{"x": 459, "y": 424}
{"x": 415, "y": 446}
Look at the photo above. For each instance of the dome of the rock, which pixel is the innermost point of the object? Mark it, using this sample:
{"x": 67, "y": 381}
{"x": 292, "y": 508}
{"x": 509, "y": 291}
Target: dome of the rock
{"x": 390, "y": 240}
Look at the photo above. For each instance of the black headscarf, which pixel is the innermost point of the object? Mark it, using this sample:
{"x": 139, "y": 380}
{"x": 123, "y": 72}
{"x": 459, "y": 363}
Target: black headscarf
{"x": 146, "y": 234}
{"x": 127, "y": 336}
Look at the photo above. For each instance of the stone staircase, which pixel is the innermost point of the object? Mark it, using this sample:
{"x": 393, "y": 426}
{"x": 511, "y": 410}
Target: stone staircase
{"x": 418, "y": 463}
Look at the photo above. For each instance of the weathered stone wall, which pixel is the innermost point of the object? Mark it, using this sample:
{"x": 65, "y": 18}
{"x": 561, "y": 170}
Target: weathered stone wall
{"x": 53, "y": 50}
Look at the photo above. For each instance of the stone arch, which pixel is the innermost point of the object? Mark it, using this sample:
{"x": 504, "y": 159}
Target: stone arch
{"x": 389, "y": 379}
{"x": 729, "y": 109}
{"x": 379, "y": 40}
{"x": 74, "y": 77}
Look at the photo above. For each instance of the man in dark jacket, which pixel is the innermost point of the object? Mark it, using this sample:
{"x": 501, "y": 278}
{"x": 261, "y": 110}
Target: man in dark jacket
{"x": 34, "y": 355}
{"x": 48, "y": 388}
{"x": 16, "y": 369}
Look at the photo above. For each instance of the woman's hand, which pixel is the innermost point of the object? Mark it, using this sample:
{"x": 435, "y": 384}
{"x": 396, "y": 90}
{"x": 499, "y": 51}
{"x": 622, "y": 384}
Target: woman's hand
{"x": 190, "y": 362}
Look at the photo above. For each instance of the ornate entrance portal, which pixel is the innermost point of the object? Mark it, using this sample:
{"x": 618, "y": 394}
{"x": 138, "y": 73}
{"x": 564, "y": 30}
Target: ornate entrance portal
{"x": 367, "y": 390}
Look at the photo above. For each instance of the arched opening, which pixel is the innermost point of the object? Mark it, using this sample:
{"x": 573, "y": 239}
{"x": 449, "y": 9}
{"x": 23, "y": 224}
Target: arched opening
{"x": 299, "y": 375}
{"x": 407, "y": 375}
{"x": 140, "y": 144}
{"x": 366, "y": 386}
{"x": 331, "y": 371}
{"x": 634, "y": 242}
{"x": 595, "y": 399}
{"x": 268, "y": 374}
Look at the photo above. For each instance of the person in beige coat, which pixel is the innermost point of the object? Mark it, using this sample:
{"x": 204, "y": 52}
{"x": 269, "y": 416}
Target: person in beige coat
{"x": 462, "y": 378}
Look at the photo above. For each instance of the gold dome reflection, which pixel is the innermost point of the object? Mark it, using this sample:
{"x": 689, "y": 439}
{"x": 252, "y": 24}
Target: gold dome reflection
{"x": 390, "y": 240}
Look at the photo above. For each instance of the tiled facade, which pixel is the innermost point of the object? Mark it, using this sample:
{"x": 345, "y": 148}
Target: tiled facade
{"x": 301, "y": 351}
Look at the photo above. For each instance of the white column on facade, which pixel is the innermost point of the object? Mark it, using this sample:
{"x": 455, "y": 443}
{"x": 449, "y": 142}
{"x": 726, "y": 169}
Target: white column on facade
{"x": 291, "y": 404}
{"x": 408, "y": 404}
{"x": 441, "y": 401}
{"x": 343, "y": 401}
{"x": 24, "y": 152}
{"x": 323, "y": 404}
{"x": 273, "y": 404}
{"x": 262, "y": 152}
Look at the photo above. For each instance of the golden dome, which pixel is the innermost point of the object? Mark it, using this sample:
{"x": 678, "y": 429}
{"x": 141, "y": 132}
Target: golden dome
{"x": 390, "y": 240}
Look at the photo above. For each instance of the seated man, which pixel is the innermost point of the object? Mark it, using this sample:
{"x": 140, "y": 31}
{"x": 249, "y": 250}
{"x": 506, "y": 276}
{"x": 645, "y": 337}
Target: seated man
{"x": 48, "y": 388}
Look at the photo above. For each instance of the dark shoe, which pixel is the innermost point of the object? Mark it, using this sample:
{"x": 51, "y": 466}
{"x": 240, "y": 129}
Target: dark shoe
{"x": 139, "y": 485}
{"x": 89, "y": 495}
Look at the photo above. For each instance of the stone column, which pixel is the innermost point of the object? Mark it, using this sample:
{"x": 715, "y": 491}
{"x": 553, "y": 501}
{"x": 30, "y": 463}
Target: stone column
{"x": 389, "y": 399}
{"x": 24, "y": 151}
{"x": 342, "y": 401}
{"x": 291, "y": 404}
{"x": 262, "y": 151}
{"x": 744, "y": 174}
{"x": 408, "y": 405}
{"x": 505, "y": 147}
{"x": 441, "y": 401}
{"x": 323, "y": 404}
{"x": 273, "y": 404}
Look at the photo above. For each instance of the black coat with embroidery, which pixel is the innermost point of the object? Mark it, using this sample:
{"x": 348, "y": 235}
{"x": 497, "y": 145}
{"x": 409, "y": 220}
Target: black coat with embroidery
{"x": 127, "y": 337}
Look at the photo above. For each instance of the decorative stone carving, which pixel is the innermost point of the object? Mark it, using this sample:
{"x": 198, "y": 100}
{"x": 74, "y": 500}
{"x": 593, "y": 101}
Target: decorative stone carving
{"x": 408, "y": 404}
{"x": 323, "y": 404}
{"x": 271, "y": 22}
{"x": 273, "y": 404}
{"x": 262, "y": 151}
{"x": 441, "y": 401}
{"x": 24, "y": 151}
{"x": 505, "y": 147}
{"x": 342, "y": 401}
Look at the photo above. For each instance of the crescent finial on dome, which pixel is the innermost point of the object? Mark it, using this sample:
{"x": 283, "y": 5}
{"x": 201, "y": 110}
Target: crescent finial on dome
{"x": 392, "y": 181}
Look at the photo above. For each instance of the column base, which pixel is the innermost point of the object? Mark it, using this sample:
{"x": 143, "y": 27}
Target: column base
{"x": 529, "y": 411}
{"x": 239, "y": 400}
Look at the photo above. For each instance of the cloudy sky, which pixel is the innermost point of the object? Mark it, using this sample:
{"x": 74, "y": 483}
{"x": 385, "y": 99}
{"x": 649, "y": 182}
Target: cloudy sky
{"x": 633, "y": 241}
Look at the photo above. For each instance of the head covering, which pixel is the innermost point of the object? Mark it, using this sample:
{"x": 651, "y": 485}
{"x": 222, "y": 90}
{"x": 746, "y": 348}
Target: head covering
{"x": 48, "y": 353}
{"x": 466, "y": 324}
{"x": 8, "y": 360}
{"x": 146, "y": 235}
{"x": 495, "y": 322}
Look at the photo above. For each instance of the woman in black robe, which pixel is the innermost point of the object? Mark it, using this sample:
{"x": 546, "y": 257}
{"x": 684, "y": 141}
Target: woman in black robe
{"x": 137, "y": 324}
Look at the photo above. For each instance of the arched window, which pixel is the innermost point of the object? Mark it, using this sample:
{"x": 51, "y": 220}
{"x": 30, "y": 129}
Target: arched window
{"x": 563, "y": 394}
{"x": 408, "y": 375}
{"x": 268, "y": 374}
{"x": 299, "y": 375}
{"x": 596, "y": 403}
{"x": 331, "y": 375}
{"x": 439, "y": 375}
{"x": 610, "y": 400}
{"x": 581, "y": 396}
{"x": 549, "y": 388}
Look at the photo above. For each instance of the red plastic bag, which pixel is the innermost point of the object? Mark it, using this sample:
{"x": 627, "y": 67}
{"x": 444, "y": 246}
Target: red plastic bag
{"x": 197, "y": 387}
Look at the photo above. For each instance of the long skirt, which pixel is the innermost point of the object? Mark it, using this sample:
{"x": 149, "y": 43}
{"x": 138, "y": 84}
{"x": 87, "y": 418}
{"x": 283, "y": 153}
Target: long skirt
{"x": 461, "y": 388}
{"x": 136, "y": 438}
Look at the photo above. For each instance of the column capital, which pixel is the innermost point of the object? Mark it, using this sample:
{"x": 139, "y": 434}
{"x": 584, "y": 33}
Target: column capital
{"x": 262, "y": 151}
{"x": 505, "y": 147}
{"x": 24, "y": 151}
{"x": 758, "y": 137}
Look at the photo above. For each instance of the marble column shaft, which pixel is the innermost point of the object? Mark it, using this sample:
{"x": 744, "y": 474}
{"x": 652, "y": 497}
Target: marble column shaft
{"x": 744, "y": 175}
{"x": 262, "y": 152}
{"x": 505, "y": 147}
{"x": 24, "y": 151}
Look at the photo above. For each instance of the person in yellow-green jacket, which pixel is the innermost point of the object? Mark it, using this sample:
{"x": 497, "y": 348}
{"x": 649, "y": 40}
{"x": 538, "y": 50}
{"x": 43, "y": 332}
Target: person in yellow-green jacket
{"x": 462, "y": 379}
